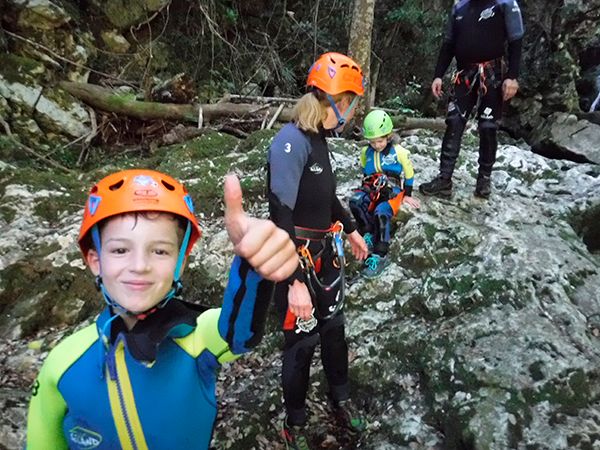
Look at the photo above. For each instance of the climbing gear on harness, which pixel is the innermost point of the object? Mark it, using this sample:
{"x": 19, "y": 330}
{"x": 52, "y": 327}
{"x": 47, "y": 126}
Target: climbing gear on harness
{"x": 311, "y": 264}
{"x": 478, "y": 75}
{"x": 378, "y": 187}
{"x": 306, "y": 325}
{"x": 132, "y": 191}
{"x": 377, "y": 124}
{"x": 294, "y": 436}
{"x": 374, "y": 265}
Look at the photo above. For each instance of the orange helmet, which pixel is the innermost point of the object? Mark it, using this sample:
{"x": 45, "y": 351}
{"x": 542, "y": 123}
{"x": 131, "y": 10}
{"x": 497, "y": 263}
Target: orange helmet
{"x": 335, "y": 73}
{"x": 136, "y": 190}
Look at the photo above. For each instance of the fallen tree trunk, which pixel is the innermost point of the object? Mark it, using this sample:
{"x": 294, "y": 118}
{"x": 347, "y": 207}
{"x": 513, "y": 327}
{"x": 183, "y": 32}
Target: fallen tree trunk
{"x": 107, "y": 100}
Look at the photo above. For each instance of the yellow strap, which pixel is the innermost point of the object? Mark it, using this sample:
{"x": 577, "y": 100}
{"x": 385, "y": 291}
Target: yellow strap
{"x": 139, "y": 441}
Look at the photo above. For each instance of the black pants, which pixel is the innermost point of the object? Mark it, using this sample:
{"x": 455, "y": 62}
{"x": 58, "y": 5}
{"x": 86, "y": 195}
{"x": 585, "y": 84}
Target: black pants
{"x": 299, "y": 348}
{"x": 466, "y": 95}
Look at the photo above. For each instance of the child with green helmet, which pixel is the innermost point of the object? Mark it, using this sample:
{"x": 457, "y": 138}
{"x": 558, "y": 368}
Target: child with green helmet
{"x": 387, "y": 183}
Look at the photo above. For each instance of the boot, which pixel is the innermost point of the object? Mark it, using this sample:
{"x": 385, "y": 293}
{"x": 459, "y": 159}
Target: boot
{"x": 374, "y": 266}
{"x": 348, "y": 416}
{"x": 483, "y": 188}
{"x": 439, "y": 187}
{"x": 294, "y": 436}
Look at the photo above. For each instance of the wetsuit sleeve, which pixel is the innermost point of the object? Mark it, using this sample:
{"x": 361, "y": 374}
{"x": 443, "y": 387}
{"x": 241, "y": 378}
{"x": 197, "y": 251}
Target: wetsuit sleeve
{"x": 245, "y": 304}
{"x": 514, "y": 59}
{"x": 407, "y": 168}
{"x": 447, "y": 50}
{"x": 363, "y": 158}
{"x": 339, "y": 213}
{"x": 47, "y": 410}
{"x": 513, "y": 21}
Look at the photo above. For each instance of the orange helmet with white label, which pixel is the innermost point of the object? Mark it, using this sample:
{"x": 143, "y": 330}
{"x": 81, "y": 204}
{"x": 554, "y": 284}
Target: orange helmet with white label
{"x": 137, "y": 190}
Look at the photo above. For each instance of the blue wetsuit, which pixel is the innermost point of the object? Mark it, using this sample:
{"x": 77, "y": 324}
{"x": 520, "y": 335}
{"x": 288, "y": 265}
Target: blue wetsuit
{"x": 106, "y": 387}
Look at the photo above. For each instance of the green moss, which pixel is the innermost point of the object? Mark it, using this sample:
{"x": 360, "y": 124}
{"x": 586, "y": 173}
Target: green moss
{"x": 259, "y": 140}
{"x": 7, "y": 213}
{"x": 20, "y": 69}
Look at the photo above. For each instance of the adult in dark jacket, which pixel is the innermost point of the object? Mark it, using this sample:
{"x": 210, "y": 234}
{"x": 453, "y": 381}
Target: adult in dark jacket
{"x": 478, "y": 34}
{"x": 303, "y": 201}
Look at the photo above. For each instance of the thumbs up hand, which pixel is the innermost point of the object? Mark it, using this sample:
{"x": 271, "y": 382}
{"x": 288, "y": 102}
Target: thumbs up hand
{"x": 266, "y": 247}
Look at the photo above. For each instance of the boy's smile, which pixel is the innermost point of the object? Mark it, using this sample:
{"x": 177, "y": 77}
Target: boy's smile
{"x": 137, "y": 260}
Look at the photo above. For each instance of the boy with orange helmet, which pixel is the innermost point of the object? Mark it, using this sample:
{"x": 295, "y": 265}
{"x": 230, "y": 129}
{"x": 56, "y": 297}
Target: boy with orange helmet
{"x": 143, "y": 375}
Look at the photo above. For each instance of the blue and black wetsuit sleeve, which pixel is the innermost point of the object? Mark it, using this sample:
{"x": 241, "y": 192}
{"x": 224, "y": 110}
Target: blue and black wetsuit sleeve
{"x": 338, "y": 212}
{"x": 245, "y": 304}
{"x": 287, "y": 158}
{"x": 513, "y": 21}
{"x": 447, "y": 50}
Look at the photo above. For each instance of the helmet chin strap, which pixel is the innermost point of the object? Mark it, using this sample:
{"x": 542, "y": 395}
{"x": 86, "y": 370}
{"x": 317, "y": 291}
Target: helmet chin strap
{"x": 175, "y": 290}
{"x": 341, "y": 118}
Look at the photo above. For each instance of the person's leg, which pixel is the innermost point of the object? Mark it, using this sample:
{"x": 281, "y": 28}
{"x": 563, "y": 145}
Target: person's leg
{"x": 297, "y": 355}
{"x": 488, "y": 114}
{"x": 359, "y": 205}
{"x": 459, "y": 108}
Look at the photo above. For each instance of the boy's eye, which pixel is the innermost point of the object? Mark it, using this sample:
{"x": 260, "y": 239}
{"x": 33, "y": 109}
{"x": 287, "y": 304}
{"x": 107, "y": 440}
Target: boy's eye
{"x": 118, "y": 250}
{"x": 162, "y": 252}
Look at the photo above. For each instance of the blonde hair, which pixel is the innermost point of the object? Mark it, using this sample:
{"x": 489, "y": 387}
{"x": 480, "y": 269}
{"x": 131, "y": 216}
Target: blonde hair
{"x": 311, "y": 109}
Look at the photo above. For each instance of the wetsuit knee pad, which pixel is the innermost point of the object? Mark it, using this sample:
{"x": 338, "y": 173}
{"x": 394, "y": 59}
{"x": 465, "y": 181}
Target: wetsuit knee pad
{"x": 487, "y": 126}
{"x": 455, "y": 121}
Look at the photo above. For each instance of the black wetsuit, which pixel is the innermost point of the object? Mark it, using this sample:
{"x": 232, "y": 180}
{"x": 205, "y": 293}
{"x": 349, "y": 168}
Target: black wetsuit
{"x": 301, "y": 191}
{"x": 478, "y": 32}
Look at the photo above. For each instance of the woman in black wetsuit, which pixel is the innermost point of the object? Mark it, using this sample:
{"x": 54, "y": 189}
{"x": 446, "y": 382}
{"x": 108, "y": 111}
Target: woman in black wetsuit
{"x": 302, "y": 200}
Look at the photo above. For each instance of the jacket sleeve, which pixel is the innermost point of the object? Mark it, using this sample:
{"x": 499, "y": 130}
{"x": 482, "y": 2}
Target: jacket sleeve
{"x": 407, "y": 168}
{"x": 447, "y": 49}
{"x": 513, "y": 22}
{"x": 245, "y": 304}
{"x": 287, "y": 158}
{"x": 339, "y": 213}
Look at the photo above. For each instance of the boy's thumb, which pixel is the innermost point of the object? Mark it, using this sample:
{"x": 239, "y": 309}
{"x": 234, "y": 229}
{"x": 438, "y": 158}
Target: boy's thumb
{"x": 234, "y": 210}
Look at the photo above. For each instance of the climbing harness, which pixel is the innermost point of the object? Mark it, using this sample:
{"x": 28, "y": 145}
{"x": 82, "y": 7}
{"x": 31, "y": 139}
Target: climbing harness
{"x": 311, "y": 265}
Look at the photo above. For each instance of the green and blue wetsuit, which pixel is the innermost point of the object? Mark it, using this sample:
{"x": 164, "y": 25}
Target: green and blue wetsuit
{"x": 373, "y": 207}
{"x": 153, "y": 386}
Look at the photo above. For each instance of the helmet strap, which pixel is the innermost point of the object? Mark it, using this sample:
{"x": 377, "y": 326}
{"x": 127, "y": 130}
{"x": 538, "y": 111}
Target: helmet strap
{"x": 341, "y": 118}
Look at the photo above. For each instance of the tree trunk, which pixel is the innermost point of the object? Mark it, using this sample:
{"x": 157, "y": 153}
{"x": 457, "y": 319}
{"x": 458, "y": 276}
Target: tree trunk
{"x": 107, "y": 100}
{"x": 359, "y": 47}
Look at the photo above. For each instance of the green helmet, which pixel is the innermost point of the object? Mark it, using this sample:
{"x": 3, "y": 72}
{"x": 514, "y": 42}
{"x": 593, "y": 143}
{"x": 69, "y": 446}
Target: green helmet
{"x": 377, "y": 123}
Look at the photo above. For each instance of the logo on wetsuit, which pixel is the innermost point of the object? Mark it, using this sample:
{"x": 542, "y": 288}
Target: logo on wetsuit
{"x": 487, "y": 13}
{"x": 316, "y": 169}
{"x": 85, "y": 439}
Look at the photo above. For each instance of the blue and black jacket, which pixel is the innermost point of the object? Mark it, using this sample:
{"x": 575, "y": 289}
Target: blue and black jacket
{"x": 478, "y": 30}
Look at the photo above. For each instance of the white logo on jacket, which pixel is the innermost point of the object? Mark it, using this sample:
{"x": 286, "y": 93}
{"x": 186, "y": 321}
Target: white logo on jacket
{"x": 287, "y": 147}
{"x": 316, "y": 169}
{"x": 487, "y": 13}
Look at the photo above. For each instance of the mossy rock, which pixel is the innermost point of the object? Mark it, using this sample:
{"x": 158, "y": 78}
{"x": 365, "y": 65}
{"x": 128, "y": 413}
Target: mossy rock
{"x": 35, "y": 295}
{"x": 259, "y": 140}
{"x": 20, "y": 69}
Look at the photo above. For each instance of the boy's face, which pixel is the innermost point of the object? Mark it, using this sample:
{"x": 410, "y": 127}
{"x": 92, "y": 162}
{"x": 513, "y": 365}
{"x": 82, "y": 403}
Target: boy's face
{"x": 379, "y": 143}
{"x": 138, "y": 259}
